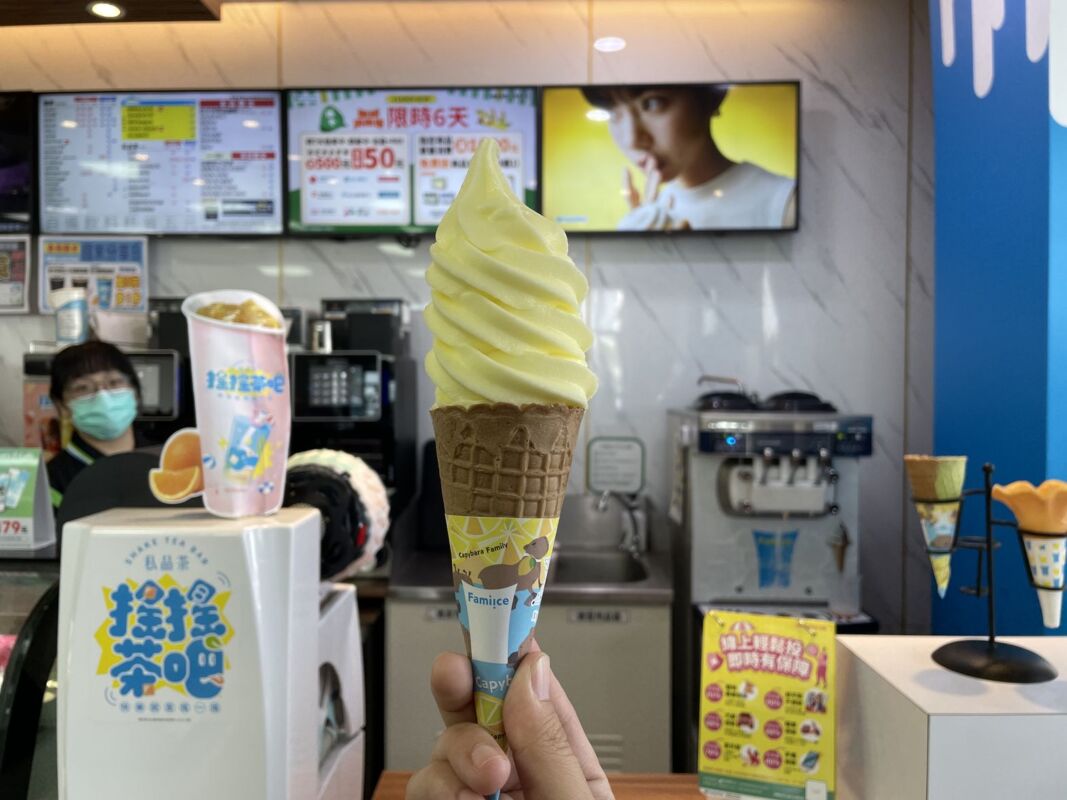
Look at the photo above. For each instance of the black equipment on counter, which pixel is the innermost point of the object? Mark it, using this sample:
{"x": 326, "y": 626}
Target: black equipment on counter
{"x": 345, "y": 524}
{"x": 360, "y": 396}
{"x": 23, "y": 683}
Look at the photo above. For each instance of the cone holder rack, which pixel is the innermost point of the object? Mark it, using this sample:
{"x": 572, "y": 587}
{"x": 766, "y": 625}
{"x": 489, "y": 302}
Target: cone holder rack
{"x": 988, "y": 658}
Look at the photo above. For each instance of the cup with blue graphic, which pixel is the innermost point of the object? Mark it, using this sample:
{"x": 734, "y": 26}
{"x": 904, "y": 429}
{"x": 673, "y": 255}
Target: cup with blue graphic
{"x": 241, "y": 386}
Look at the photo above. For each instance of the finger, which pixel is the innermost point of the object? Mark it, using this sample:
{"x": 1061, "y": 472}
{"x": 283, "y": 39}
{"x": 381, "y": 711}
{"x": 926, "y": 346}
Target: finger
{"x": 633, "y": 197}
{"x": 655, "y": 177}
{"x": 475, "y": 758}
{"x": 452, "y": 684}
{"x": 572, "y": 726}
{"x": 546, "y": 763}
{"x": 438, "y": 782}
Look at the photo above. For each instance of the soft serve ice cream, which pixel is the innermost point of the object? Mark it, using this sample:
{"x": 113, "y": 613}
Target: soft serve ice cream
{"x": 512, "y": 384}
{"x": 505, "y": 301}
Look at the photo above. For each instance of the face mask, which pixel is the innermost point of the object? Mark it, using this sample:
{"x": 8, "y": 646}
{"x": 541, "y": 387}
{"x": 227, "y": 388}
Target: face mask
{"x": 105, "y": 415}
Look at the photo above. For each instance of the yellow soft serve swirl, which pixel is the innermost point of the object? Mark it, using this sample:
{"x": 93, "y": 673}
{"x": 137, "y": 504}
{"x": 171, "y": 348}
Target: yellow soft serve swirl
{"x": 505, "y": 298}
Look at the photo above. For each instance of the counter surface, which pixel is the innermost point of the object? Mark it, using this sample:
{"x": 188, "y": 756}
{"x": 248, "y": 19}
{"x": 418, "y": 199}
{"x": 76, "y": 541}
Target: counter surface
{"x": 626, "y": 787}
{"x": 427, "y": 577}
{"x": 904, "y": 662}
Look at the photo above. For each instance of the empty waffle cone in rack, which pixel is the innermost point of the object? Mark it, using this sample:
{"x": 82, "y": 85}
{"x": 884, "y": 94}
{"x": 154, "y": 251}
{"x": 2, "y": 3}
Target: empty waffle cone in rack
{"x": 936, "y": 488}
{"x": 935, "y": 477}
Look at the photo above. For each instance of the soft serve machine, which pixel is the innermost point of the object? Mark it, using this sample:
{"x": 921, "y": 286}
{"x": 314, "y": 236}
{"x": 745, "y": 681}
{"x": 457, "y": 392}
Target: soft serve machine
{"x": 765, "y": 512}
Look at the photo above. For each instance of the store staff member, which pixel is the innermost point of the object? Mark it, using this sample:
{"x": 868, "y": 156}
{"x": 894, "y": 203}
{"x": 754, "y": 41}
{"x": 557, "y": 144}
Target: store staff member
{"x": 95, "y": 386}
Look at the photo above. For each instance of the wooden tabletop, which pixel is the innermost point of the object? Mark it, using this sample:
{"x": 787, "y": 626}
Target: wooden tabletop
{"x": 626, "y": 787}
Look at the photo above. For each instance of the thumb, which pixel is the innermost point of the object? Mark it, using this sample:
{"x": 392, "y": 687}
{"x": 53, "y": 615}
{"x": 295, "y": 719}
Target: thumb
{"x": 547, "y": 766}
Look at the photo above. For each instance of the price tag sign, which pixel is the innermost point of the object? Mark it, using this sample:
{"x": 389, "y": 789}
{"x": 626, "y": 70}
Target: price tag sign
{"x": 767, "y": 707}
{"x": 615, "y": 464}
{"x": 355, "y": 179}
{"x": 25, "y": 508}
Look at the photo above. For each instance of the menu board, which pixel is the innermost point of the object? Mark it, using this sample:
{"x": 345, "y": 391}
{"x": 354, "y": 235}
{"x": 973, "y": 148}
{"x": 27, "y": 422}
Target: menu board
{"x": 392, "y": 160}
{"x": 161, "y": 162}
{"x": 16, "y": 161}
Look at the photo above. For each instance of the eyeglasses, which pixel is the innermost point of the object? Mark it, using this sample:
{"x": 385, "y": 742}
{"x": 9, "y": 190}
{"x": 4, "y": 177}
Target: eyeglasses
{"x": 91, "y": 384}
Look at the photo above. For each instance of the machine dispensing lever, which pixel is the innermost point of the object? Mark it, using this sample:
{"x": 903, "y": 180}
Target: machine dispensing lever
{"x": 824, "y": 466}
{"x": 796, "y": 458}
{"x": 768, "y": 457}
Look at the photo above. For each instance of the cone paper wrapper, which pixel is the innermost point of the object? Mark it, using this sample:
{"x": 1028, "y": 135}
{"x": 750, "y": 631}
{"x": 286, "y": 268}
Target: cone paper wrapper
{"x": 941, "y": 563}
{"x": 504, "y": 472}
{"x": 938, "y": 522}
{"x": 1045, "y": 555}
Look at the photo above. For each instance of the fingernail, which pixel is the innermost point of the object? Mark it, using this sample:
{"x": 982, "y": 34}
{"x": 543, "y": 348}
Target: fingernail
{"x": 540, "y": 678}
{"x": 484, "y": 753}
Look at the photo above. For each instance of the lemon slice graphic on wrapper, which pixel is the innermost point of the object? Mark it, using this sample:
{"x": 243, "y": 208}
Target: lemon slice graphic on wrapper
{"x": 490, "y": 712}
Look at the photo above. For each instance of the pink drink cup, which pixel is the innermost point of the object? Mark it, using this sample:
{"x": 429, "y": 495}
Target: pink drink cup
{"x": 241, "y": 387}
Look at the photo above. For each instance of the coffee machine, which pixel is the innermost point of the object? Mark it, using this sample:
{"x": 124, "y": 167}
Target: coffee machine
{"x": 354, "y": 389}
{"x": 765, "y": 516}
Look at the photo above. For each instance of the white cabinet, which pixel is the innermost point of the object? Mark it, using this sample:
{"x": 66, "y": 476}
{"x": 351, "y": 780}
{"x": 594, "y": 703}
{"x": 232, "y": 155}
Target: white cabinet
{"x": 614, "y": 662}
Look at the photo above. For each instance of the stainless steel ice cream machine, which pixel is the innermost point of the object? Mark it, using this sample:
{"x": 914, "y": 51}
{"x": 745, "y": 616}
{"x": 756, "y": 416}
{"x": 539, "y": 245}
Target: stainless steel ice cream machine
{"x": 766, "y": 497}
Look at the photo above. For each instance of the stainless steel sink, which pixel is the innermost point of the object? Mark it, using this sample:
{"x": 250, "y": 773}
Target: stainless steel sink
{"x": 610, "y": 567}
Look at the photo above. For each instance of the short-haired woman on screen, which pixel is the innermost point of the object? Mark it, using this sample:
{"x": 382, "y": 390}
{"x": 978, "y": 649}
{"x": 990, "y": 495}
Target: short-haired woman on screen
{"x": 689, "y": 184}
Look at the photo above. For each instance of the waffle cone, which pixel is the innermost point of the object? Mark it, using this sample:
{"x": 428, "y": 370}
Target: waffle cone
{"x": 503, "y": 460}
{"x": 936, "y": 477}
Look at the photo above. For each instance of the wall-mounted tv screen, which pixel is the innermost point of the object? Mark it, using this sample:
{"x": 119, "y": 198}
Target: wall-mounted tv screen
{"x": 392, "y": 160}
{"x": 701, "y": 157}
{"x": 161, "y": 162}
{"x": 16, "y": 161}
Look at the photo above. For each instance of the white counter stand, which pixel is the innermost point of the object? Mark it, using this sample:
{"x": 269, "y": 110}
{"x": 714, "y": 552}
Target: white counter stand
{"x": 911, "y": 730}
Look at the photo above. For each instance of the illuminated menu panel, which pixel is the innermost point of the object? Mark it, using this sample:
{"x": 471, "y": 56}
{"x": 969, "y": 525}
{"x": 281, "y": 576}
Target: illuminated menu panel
{"x": 393, "y": 159}
{"x": 170, "y": 162}
{"x": 16, "y": 162}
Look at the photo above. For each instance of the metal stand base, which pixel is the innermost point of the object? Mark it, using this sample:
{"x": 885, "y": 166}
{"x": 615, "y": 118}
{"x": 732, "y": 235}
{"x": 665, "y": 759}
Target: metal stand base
{"x": 994, "y": 662}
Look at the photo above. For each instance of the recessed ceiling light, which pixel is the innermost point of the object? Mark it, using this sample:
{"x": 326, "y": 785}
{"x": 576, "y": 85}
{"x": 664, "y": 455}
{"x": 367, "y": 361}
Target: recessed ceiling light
{"x": 250, "y": 123}
{"x": 106, "y": 10}
{"x": 609, "y": 44}
{"x": 69, "y": 123}
{"x": 598, "y": 115}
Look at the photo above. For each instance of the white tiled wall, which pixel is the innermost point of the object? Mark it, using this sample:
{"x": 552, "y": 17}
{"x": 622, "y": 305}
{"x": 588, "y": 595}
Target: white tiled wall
{"x": 831, "y": 308}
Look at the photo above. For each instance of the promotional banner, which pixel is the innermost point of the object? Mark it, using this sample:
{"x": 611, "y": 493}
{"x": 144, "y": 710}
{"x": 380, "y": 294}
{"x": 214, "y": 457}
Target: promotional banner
{"x": 674, "y": 157}
{"x": 14, "y": 274}
{"x": 767, "y": 707}
{"x": 393, "y": 160}
{"x": 25, "y": 507}
{"x": 112, "y": 270}
{"x": 161, "y": 162}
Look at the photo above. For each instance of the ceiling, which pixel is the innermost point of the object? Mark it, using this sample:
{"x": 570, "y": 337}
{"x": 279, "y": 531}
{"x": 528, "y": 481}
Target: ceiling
{"x": 57, "y": 12}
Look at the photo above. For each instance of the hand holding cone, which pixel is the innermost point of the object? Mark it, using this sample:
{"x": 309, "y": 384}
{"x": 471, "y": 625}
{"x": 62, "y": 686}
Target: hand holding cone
{"x": 936, "y": 488}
